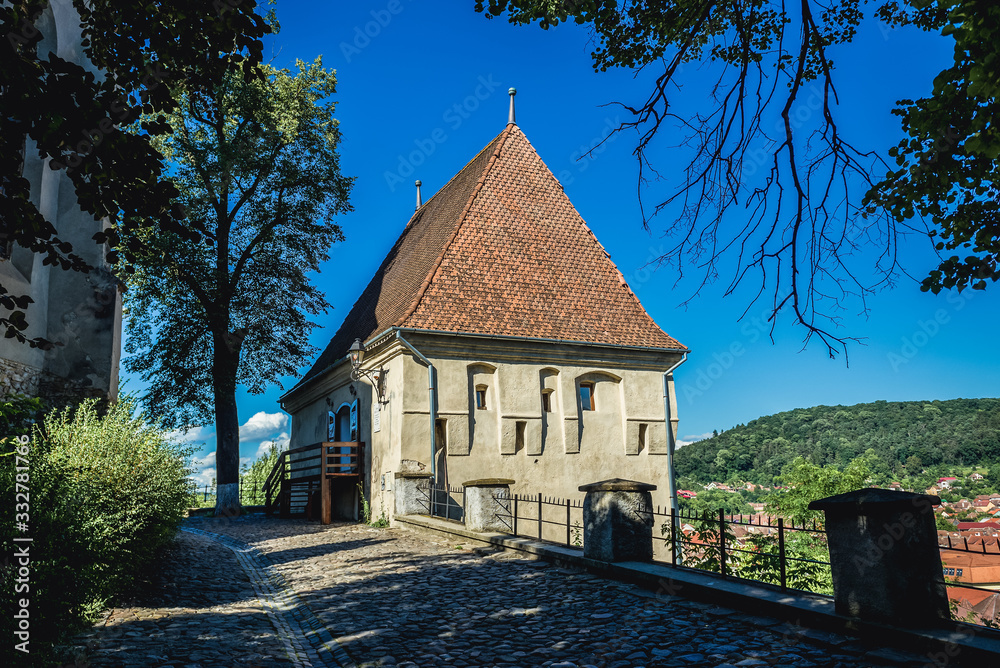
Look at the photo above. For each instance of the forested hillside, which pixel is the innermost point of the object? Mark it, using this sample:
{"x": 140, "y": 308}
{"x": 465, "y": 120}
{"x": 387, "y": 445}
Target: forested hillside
{"x": 907, "y": 437}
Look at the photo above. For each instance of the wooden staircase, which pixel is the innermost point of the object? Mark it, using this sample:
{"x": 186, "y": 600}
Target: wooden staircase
{"x": 302, "y": 478}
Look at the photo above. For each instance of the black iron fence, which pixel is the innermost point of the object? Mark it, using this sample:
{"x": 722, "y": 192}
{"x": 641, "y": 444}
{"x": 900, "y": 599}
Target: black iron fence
{"x": 444, "y": 501}
{"x": 251, "y": 494}
{"x": 751, "y": 547}
{"x": 546, "y": 518}
{"x": 963, "y": 564}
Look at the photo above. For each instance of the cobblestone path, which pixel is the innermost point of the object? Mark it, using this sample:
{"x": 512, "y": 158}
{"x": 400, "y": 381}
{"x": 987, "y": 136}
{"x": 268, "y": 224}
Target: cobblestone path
{"x": 257, "y": 592}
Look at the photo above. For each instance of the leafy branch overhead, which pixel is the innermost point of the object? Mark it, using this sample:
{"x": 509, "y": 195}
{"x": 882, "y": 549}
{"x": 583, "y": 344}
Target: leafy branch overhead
{"x": 74, "y": 115}
{"x": 771, "y": 185}
{"x": 948, "y": 165}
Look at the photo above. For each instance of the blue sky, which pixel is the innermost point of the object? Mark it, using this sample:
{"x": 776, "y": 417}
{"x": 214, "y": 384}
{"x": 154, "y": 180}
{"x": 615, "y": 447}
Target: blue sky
{"x": 423, "y": 87}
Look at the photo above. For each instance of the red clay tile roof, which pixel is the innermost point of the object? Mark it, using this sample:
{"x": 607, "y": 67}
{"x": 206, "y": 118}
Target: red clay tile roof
{"x": 500, "y": 250}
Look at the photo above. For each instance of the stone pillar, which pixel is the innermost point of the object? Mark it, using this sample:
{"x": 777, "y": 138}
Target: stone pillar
{"x": 412, "y": 495}
{"x": 618, "y": 520}
{"x": 482, "y": 510}
{"x": 884, "y": 556}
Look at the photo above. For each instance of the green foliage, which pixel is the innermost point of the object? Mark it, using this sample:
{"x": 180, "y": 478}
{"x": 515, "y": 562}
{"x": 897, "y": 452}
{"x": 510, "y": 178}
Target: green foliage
{"x": 382, "y": 521}
{"x": 17, "y": 414}
{"x": 256, "y": 162}
{"x": 806, "y": 560}
{"x": 949, "y": 164}
{"x": 255, "y": 475}
{"x": 712, "y": 500}
{"x": 756, "y": 556}
{"x": 366, "y": 509}
{"x": 804, "y": 482}
{"x": 366, "y": 512}
{"x": 106, "y": 495}
{"x": 906, "y": 439}
{"x": 707, "y": 553}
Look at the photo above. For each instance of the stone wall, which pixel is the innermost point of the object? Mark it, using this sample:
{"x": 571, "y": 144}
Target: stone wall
{"x": 17, "y": 378}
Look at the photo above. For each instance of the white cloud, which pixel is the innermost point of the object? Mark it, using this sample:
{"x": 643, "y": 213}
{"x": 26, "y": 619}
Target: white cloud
{"x": 203, "y": 478}
{"x": 693, "y": 438}
{"x": 262, "y": 425}
{"x": 199, "y": 463}
{"x": 281, "y": 440}
{"x": 193, "y": 434}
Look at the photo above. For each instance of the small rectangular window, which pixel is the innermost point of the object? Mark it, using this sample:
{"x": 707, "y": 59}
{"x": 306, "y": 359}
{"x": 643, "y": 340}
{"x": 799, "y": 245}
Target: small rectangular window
{"x": 519, "y": 428}
{"x": 481, "y": 398}
{"x": 958, "y": 572}
{"x": 587, "y": 396}
{"x": 547, "y": 401}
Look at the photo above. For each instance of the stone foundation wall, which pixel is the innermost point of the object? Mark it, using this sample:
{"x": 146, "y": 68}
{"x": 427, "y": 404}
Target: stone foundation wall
{"x": 17, "y": 378}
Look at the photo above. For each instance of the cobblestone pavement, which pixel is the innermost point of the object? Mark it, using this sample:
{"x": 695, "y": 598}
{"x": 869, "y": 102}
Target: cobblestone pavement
{"x": 259, "y": 592}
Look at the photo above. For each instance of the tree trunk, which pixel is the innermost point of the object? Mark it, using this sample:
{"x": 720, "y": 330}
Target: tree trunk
{"x": 227, "y": 431}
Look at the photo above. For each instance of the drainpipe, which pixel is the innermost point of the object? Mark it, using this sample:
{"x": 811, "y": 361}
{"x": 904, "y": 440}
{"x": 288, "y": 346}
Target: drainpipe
{"x": 667, "y": 415}
{"x": 431, "y": 398}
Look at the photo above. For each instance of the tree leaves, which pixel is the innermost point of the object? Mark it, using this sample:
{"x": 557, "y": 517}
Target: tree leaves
{"x": 255, "y": 161}
{"x": 76, "y": 119}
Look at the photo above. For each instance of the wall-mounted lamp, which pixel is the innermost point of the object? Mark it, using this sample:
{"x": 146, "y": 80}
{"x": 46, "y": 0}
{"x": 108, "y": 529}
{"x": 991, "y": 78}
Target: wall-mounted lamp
{"x": 356, "y": 353}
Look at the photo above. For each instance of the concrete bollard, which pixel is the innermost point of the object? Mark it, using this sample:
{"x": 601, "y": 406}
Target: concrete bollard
{"x": 412, "y": 493}
{"x": 884, "y": 556}
{"x": 483, "y": 512}
{"x": 618, "y": 520}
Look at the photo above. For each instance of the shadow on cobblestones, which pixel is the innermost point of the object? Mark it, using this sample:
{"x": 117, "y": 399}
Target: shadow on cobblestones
{"x": 392, "y": 597}
{"x": 197, "y": 607}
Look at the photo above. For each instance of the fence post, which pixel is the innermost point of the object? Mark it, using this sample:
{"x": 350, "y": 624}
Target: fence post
{"x": 539, "y": 516}
{"x": 568, "y": 538}
{"x": 515, "y": 515}
{"x": 722, "y": 542}
{"x": 884, "y": 556}
{"x": 781, "y": 552}
{"x": 674, "y": 546}
{"x": 482, "y": 510}
{"x": 409, "y": 493}
{"x": 618, "y": 520}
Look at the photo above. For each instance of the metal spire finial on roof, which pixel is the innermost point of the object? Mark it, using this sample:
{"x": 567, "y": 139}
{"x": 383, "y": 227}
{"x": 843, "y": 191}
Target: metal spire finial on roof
{"x": 419, "y": 203}
{"x": 510, "y": 119}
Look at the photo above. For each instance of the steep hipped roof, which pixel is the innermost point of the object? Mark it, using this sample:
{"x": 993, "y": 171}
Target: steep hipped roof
{"x": 500, "y": 250}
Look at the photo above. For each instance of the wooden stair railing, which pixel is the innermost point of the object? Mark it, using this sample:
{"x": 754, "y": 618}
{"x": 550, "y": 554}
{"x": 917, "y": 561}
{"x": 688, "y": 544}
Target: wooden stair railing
{"x": 295, "y": 477}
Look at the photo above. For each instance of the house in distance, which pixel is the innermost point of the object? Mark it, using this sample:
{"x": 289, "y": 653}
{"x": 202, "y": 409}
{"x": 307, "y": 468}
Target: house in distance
{"x": 504, "y": 343}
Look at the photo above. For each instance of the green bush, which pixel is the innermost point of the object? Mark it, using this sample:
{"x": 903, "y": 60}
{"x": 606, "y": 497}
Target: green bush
{"x": 17, "y": 414}
{"x": 107, "y": 493}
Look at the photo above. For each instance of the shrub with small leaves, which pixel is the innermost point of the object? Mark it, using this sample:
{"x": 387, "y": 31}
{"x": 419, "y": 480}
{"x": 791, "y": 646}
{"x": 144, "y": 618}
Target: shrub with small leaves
{"x": 107, "y": 493}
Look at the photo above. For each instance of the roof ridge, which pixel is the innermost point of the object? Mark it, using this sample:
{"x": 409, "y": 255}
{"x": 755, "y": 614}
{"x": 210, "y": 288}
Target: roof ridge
{"x": 453, "y": 177}
{"x": 500, "y": 140}
{"x": 612, "y": 263}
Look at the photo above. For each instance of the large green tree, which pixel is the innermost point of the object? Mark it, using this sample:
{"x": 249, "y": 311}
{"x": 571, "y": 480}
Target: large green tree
{"x": 60, "y": 110}
{"x": 771, "y": 182}
{"x": 256, "y": 165}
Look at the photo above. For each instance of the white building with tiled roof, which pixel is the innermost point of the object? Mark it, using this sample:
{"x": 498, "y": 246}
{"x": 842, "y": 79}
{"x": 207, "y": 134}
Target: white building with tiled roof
{"x": 506, "y": 345}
